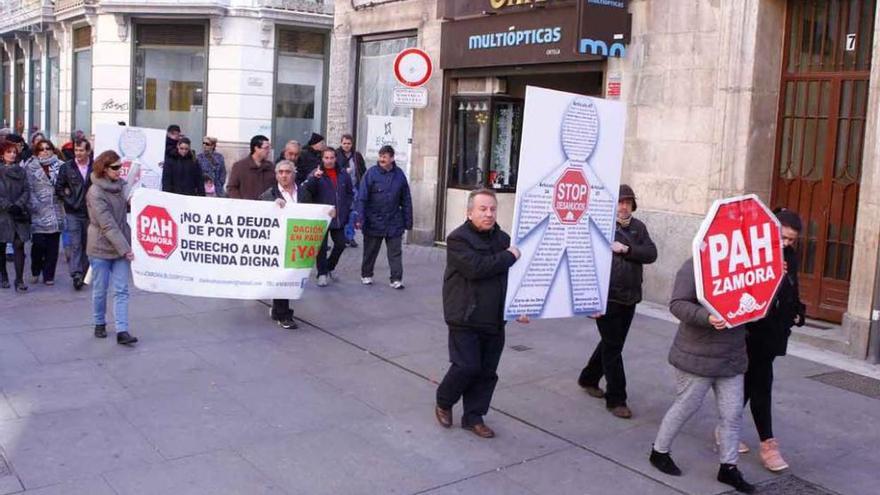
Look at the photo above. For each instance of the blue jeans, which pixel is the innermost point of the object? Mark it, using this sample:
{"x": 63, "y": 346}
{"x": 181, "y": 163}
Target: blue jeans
{"x": 103, "y": 273}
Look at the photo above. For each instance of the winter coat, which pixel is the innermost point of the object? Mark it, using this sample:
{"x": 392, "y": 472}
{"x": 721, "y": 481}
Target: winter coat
{"x": 214, "y": 166}
{"x": 71, "y": 187}
{"x": 323, "y": 191}
{"x": 475, "y": 281}
{"x": 14, "y": 202}
{"x": 182, "y": 175}
{"x": 769, "y": 335}
{"x": 308, "y": 161}
{"x": 360, "y": 165}
{"x": 384, "y": 204}
{"x": 47, "y": 211}
{"x": 109, "y": 233}
{"x": 698, "y": 347}
{"x": 626, "y": 269}
{"x": 249, "y": 179}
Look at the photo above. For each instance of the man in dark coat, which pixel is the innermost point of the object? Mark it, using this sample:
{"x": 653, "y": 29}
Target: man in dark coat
{"x": 767, "y": 338}
{"x": 478, "y": 256}
{"x": 172, "y": 136}
{"x": 310, "y": 159}
{"x": 384, "y": 209}
{"x": 631, "y": 249}
{"x": 74, "y": 181}
{"x": 330, "y": 186}
{"x": 352, "y": 162}
{"x": 181, "y": 174}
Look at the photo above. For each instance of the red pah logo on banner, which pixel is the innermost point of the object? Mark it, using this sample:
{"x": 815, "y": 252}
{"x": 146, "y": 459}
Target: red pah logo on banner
{"x": 738, "y": 262}
{"x": 157, "y": 232}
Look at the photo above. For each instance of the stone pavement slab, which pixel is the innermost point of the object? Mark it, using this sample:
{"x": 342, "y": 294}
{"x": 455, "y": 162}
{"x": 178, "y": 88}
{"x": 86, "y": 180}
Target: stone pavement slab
{"x": 218, "y": 399}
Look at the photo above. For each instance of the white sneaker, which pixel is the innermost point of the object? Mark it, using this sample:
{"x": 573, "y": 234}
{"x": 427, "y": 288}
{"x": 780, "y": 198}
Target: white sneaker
{"x": 322, "y": 280}
{"x": 397, "y": 284}
{"x": 367, "y": 280}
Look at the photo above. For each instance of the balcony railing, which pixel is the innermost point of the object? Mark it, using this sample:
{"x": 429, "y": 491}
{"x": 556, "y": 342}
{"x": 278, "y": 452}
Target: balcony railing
{"x": 24, "y": 15}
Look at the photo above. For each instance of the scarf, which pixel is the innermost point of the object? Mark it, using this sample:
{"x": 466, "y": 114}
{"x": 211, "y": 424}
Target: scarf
{"x": 624, "y": 222}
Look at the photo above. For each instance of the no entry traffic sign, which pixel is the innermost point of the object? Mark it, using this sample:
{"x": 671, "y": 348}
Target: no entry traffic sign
{"x": 738, "y": 262}
{"x": 413, "y": 67}
{"x": 156, "y": 232}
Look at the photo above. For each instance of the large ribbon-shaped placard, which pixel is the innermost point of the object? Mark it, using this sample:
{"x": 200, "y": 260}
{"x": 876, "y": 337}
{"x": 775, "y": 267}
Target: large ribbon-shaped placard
{"x": 570, "y": 221}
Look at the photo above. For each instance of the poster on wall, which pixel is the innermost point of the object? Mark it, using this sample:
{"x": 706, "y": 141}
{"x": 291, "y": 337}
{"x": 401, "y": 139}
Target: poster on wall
{"x": 225, "y": 248}
{"x": 390, "y": 130}
{"x": 566, "y": 202}
{"x": 142, "y": 151}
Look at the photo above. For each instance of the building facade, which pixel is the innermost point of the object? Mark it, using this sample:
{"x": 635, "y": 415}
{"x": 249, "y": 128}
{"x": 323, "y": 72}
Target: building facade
{"x": 224, "y": 68}
{"x": 773, "y": 97}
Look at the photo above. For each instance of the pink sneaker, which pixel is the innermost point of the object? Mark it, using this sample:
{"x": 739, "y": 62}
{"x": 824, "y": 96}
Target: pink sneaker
{"x": 770, "y": 456}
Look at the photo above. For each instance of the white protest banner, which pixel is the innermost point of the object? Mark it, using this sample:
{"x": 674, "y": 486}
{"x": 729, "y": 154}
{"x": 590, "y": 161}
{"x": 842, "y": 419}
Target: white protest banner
{"x": 225, "y": 248}
{"x": 566, "y": 202}
{"x": 142, "y": 151}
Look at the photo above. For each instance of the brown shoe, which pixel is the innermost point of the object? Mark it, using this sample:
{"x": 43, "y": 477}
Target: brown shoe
{"x": 621, "y": 412}
{"x": 480, "y": 430}
{"x": 444, "y": 416}
{"x": 594, "y": 392}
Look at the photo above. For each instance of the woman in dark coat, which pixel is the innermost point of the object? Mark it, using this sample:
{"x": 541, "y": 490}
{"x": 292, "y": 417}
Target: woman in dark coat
{"x": 15, "y": 222}
{"x": 181, "y": 174}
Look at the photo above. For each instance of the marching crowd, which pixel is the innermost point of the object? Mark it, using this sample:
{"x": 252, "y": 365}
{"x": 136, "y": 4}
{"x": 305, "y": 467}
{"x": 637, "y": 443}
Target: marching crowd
{"x": 47, "y": 194}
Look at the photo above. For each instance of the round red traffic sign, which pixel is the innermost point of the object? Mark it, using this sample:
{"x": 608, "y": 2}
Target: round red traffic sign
{"x": 738, "y": 262}
{"x": 413, "y": 67}
{"x": 571, "y": 195}
{"x": 156, "y": 232}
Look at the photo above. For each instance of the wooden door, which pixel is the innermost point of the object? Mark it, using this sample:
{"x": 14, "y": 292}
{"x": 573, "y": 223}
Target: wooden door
{"x": 820, "y": 136}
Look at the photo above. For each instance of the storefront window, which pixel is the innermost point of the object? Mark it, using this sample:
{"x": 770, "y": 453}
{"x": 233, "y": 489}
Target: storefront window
{"x": 82, "y": 79}
{"x": 169, "y": 74}
{"x": 36, "y": 72}
{"x": 485, "y": 137}
{"x": 379, "y": 122}
{"x": 299, "y": 87}
{"x": 19, "y": 90}
{"x": 54, "y": 89}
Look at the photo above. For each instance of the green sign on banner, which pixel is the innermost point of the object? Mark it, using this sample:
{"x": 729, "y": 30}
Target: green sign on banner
{"x": 303, "y": 240}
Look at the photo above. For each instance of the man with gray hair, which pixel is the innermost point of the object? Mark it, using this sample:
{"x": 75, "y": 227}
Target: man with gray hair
{"x": 284, "y": 193}
{"x": 478, "y": 256}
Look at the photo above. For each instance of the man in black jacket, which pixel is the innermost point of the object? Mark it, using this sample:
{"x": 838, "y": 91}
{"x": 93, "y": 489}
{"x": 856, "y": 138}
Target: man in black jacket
{"x": 74, "y": 180}
{"x": 631, "y": 249}
{"x": 478, "y": 256}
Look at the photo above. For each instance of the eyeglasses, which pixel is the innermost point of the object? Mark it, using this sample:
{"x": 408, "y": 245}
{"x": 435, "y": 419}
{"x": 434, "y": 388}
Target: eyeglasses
{"x": 207, "y": 144}
{"x": 115, "y": 166}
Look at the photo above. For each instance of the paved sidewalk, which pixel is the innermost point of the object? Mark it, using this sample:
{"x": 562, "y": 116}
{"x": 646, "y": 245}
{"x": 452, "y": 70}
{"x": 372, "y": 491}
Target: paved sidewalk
{"x": 216, "y": 399}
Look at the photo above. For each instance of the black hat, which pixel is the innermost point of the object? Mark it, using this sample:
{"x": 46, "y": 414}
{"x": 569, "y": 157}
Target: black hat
{"x": 626, "y": 192}
{"x": 315, "y": 139}
{"x": 15, "y": 138}
{"x": 173, "y": 128}
{"x": 789, "y": 218}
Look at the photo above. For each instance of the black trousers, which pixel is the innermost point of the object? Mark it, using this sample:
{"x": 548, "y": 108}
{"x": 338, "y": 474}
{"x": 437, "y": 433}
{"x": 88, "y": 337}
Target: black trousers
{"x": 472, "y": 375}
{"x": 281, "y": 310}
{"x": 758, "y": 391}
{"x": 394, "y": 247}
{"x": 326, "y": 265}
{"x": 17, "y": 257}
{"x": 607, "y": 358}
{"x": 44, "y": 254}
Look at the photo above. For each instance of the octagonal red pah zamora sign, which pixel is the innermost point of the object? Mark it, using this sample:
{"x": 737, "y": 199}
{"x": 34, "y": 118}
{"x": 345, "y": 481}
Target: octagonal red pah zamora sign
{"x": 156, "y": 232}
{"x": 571, "y": 196}
{"x": 738, "y": 262}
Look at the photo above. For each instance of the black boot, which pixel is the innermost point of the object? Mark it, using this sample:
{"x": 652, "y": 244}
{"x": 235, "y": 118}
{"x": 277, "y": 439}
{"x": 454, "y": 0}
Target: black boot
{"x": 20, "y": 286}
{"x": 101, "y": 331}
{"x": 664, "y": 463}
{"x": 125, "y": 338}
{"x": 4, "y": 281}
{"x": 730, "y": 475}
{"x": 77, "y": 282}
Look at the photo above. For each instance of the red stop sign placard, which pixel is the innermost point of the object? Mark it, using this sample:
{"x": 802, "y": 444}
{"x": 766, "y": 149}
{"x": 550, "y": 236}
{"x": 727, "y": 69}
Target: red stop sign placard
{"x": 738, "y": 262}
{"x": 571, "y": 196}
{"x": 156, "y": 232}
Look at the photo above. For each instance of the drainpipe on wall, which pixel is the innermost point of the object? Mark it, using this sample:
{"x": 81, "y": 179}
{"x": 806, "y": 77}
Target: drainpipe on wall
{"x": 874, "y": 332}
